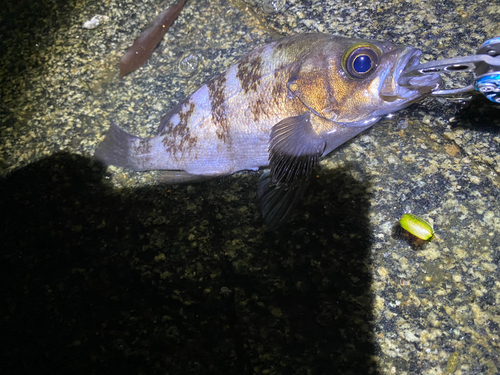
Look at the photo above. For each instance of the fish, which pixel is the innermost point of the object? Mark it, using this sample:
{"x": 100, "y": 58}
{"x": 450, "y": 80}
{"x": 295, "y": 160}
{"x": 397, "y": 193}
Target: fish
{"x": 284, "y": 106}
{"x": 146, "y": 42}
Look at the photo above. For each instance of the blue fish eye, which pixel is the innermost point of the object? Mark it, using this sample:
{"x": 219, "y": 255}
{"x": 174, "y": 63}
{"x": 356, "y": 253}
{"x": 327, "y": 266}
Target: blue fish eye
{"x": 360, "y": 60}
{"x": 362, "y": 64}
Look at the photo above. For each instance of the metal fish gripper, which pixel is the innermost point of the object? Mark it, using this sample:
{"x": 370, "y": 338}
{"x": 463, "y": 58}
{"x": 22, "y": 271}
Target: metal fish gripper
{"x": 484, "y": 66}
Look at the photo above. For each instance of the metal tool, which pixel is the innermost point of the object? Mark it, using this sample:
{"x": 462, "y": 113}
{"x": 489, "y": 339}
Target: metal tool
{"x": 484, "y": 66}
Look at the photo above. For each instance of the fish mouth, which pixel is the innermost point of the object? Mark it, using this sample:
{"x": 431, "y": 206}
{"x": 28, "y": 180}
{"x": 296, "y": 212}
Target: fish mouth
{"x": 392, "y": 90}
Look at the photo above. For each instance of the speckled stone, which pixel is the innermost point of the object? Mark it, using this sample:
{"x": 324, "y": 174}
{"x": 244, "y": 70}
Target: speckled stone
{"x": 105, "y": 271}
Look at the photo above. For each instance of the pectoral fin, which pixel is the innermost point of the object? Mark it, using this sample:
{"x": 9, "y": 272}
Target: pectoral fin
{"x": 294, "y": 150}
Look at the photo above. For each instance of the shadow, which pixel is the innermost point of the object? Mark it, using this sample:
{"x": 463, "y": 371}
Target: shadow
{"x": 481, "y": 115}
{"x": 415, "y": 243}
{"x": 181, "y": 279}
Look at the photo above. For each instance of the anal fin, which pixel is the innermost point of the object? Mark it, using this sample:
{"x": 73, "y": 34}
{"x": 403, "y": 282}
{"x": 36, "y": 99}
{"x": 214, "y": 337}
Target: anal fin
{"x": 181, "y": 177}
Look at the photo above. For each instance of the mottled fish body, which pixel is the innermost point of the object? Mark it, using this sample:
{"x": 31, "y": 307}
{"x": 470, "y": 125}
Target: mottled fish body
{"x": 285, "y": 104}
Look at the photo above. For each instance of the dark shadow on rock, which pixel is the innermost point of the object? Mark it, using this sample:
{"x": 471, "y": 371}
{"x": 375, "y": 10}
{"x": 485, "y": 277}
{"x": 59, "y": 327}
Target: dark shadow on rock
{"x": 480, "y": 114}
{"x": 181, "y": 279}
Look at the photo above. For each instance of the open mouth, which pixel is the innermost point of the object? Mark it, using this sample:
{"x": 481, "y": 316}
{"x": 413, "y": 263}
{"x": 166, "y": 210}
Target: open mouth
{"x": 397, "y": 86}
{"x": 407, "y": 61}
{"x": 410, "y": 84}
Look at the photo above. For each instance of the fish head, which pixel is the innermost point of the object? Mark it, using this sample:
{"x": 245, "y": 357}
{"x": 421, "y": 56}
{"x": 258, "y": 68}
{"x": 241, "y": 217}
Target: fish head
{"x": 354, "y": 82}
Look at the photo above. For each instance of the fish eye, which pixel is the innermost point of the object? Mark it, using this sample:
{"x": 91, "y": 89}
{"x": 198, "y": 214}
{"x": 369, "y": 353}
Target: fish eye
{"x": 360, "y": 60}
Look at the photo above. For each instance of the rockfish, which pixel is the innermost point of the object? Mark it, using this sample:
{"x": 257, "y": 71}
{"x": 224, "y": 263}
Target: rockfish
{"x": 284, "y": 105}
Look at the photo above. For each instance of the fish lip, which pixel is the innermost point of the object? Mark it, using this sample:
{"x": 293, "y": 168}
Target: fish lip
{"x": 425, "y": 85}
{"x": 407, "y": 61}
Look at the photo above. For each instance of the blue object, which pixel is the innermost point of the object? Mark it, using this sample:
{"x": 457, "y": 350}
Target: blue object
{"x": 489, "y": 86}
{"x": 488, "y": 82}
{"x": 490, "y": 41}
{"x": 362, "y": 64}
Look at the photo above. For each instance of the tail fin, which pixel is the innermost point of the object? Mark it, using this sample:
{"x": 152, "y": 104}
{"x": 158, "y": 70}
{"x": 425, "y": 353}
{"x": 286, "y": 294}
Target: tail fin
{"x": 116, "y": 149}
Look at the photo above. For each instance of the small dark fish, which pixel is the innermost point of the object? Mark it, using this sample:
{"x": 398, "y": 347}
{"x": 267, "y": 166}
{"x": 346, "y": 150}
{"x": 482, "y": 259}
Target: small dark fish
{"x": 285, "y": 105}
{"x": 146, "y": 42}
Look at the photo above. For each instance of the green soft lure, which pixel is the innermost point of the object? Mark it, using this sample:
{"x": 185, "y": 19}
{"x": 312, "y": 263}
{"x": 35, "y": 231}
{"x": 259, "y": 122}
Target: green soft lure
{"x": 417, "y": 226}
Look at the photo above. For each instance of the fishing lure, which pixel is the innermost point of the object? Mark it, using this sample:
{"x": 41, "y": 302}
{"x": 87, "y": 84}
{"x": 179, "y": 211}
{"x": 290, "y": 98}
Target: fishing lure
{"x": 417, "y": 226}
